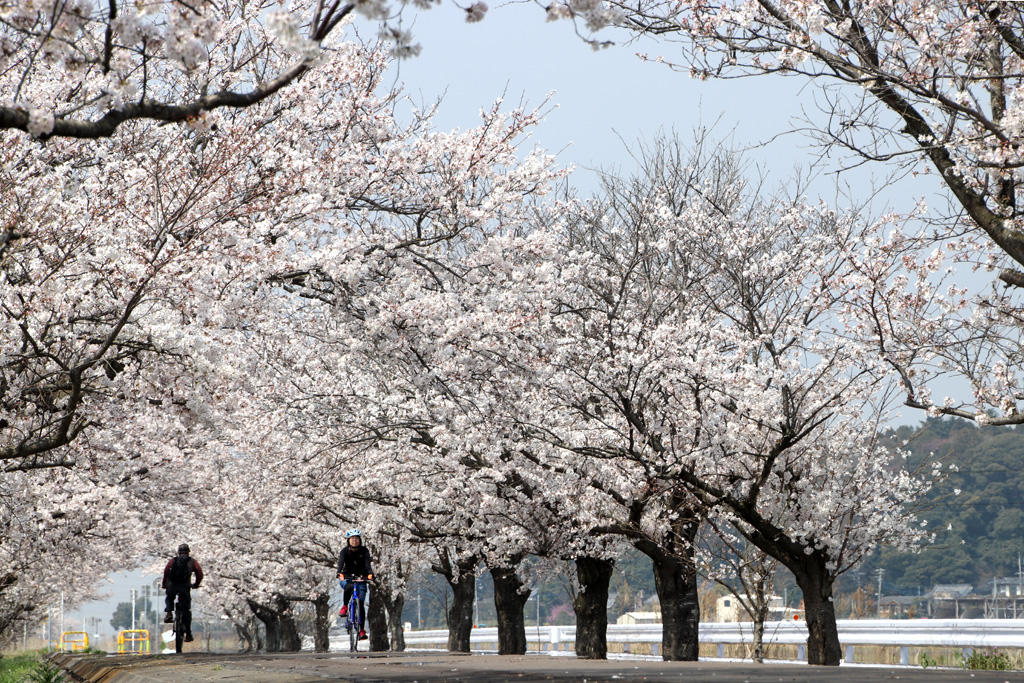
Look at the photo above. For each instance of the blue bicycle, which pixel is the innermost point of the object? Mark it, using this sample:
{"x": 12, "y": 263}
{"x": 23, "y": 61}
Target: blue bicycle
{"x": 353, "y": 615}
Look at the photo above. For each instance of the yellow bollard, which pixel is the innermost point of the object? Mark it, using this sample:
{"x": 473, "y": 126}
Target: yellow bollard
{"x": 73, "y": 641}
{"x": 126, "y": 642}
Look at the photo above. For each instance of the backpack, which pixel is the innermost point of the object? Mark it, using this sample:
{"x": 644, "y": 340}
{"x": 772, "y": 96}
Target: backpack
{"x": 180, "y": 570}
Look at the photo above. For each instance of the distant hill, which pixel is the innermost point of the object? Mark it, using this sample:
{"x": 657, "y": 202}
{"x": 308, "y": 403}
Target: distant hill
{"x": 986, "y": 517}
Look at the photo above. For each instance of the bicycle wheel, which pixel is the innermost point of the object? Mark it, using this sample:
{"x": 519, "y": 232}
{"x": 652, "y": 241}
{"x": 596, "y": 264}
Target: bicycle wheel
{"x": 354, "y": 624}
{"x": 179, "y": 630}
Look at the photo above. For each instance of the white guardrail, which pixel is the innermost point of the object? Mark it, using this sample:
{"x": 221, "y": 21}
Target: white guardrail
{"x": 966, "y": 634}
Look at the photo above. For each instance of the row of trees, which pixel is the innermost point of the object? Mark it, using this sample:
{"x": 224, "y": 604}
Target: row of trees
{"x": 291, "y": 314}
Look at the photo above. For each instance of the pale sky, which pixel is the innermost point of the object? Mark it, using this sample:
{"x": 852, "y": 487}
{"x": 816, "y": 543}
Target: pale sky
{"x": 607, "y": 99}
{"x": 601, "y": 96}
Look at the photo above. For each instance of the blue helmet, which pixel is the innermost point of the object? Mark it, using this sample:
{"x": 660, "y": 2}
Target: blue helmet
{"x": 353, "y": 532}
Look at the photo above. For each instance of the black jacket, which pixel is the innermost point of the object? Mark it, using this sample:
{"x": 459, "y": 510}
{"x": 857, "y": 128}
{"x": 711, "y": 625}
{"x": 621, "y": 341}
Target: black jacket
{"x": 193, "y": 567}
{"x": 354, "y": 561}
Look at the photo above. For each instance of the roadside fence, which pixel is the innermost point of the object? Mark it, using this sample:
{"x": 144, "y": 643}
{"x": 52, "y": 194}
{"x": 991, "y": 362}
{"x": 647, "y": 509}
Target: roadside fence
{"x": 965, "y": 634}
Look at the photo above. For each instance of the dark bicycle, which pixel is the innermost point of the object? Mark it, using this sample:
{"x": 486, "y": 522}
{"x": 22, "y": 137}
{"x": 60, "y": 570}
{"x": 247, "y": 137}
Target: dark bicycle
{"x": 179, "y": 624}
{"x": 353, "y": 620}
{"x": 178, "y": 627}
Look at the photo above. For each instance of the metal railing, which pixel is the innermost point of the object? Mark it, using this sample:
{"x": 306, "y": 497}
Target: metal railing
{"x": 133, "y": 641}
{"x": 965, "y": 634}
{"x": 74, "y": 641}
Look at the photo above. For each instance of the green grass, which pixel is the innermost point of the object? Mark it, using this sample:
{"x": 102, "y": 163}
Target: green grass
{"x": 17, "y": 668}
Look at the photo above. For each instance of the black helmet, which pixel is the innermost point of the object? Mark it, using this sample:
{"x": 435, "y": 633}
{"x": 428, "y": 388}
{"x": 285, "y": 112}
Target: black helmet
{"x": 183, "y": 549}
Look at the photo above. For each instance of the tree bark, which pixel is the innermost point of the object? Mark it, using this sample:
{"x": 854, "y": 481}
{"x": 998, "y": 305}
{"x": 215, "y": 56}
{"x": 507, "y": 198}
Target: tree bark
{"x": 760, "y": 615}
{"x": 395, "y": 607}
{"x": 591, "y": 607}
{"x": 290, "y": 639}
{"x": 377, "y": 621}
{"x": 675, "y": 578}
{"x": 463, "y": 585}
{"x": 321, "y": 635}
{"x": 823, "y": 647}
{"x": 246, "y": 639}
{"x": 279, "y": 624}
{"x": 509, "y": 601}
{"x": 676, "y": 583}
{"x": 271, "y": 626}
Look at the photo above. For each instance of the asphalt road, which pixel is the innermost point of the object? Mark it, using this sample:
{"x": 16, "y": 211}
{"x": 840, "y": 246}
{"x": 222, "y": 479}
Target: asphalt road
{"x": 437, "y": 667}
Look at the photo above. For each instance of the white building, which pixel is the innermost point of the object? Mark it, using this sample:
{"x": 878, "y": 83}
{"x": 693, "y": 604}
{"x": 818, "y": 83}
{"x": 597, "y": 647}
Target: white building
{"x": 639, "y": 618}
{"x": 729, "y": 608}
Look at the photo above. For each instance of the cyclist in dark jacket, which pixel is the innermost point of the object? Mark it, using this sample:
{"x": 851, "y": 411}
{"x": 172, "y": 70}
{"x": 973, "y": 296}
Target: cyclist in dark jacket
{"x": 177, "y": 582}
{"x": 353, "y": 562}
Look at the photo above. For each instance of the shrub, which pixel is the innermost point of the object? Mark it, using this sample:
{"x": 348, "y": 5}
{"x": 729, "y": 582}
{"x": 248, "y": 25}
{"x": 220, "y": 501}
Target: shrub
{"x": 991, "y": 660}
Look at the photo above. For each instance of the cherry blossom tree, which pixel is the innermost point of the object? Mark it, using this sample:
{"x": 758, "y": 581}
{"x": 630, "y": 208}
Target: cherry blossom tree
{"x": 126, "y": 260}
{"x": 82, "y": 69}
{"x": 698, "y": 343}
{"x": 929, "y": 86}
{"x": 931, "y": 79}
{"x": 147, "y": 298}
{"x": 332, "y": 388}
{"x": 747, "y": 572}
{"x": 49, "y": 520}
{"x": 908, "y": 300}
{"x": 352, "y": 376}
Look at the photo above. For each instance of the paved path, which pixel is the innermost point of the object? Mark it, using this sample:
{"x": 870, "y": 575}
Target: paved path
{"x": 447, "y": 668}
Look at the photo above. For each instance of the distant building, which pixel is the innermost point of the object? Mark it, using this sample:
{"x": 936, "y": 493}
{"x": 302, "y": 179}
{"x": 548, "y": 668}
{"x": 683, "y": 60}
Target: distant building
{"x": 639, "y": 618}
{"x": 903, "y": 606}
{"x": 950, "y": 591}
{"x": 729, "y": 608}
{"x": 1007, "y": 587}
{"x": 953, "y": 601}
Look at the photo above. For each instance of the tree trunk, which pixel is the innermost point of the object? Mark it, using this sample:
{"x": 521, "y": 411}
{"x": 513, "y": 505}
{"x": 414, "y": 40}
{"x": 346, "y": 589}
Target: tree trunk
{"x": 272, "y": 631}
{"x": 290, "y": 639}
{"x": 675, "y": 578}
{"x": 395, "y": 607}
{"x": 591, "y": 607}
{"x": 322, "y": 623}
{"x": 246, "y": 640}
{"x": 463, "y": 585}
{"x": 279, "y": 623}
{"x": 460, "y": 615}
{"x": 760, "y": 615}
{"x": 377, "y": 621}
{"x": 509, "y": 601}
{"x": 271, "y": 625}
{"x": 676, "y": 583}
{"x": 823, "y": 647}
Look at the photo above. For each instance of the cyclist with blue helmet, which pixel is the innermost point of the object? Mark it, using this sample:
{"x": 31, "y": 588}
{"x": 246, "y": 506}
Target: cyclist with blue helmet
{"x": 354, "y": 562}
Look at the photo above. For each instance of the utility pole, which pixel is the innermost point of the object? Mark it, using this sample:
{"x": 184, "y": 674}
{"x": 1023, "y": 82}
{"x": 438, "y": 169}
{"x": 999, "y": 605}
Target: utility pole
{"x": 145, "y": 620}
{"x": 133, "y": 609}
{"x": 1020, "y": 584}
{"x": 419, "y": 609}
{"x": 880, "y": 572}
